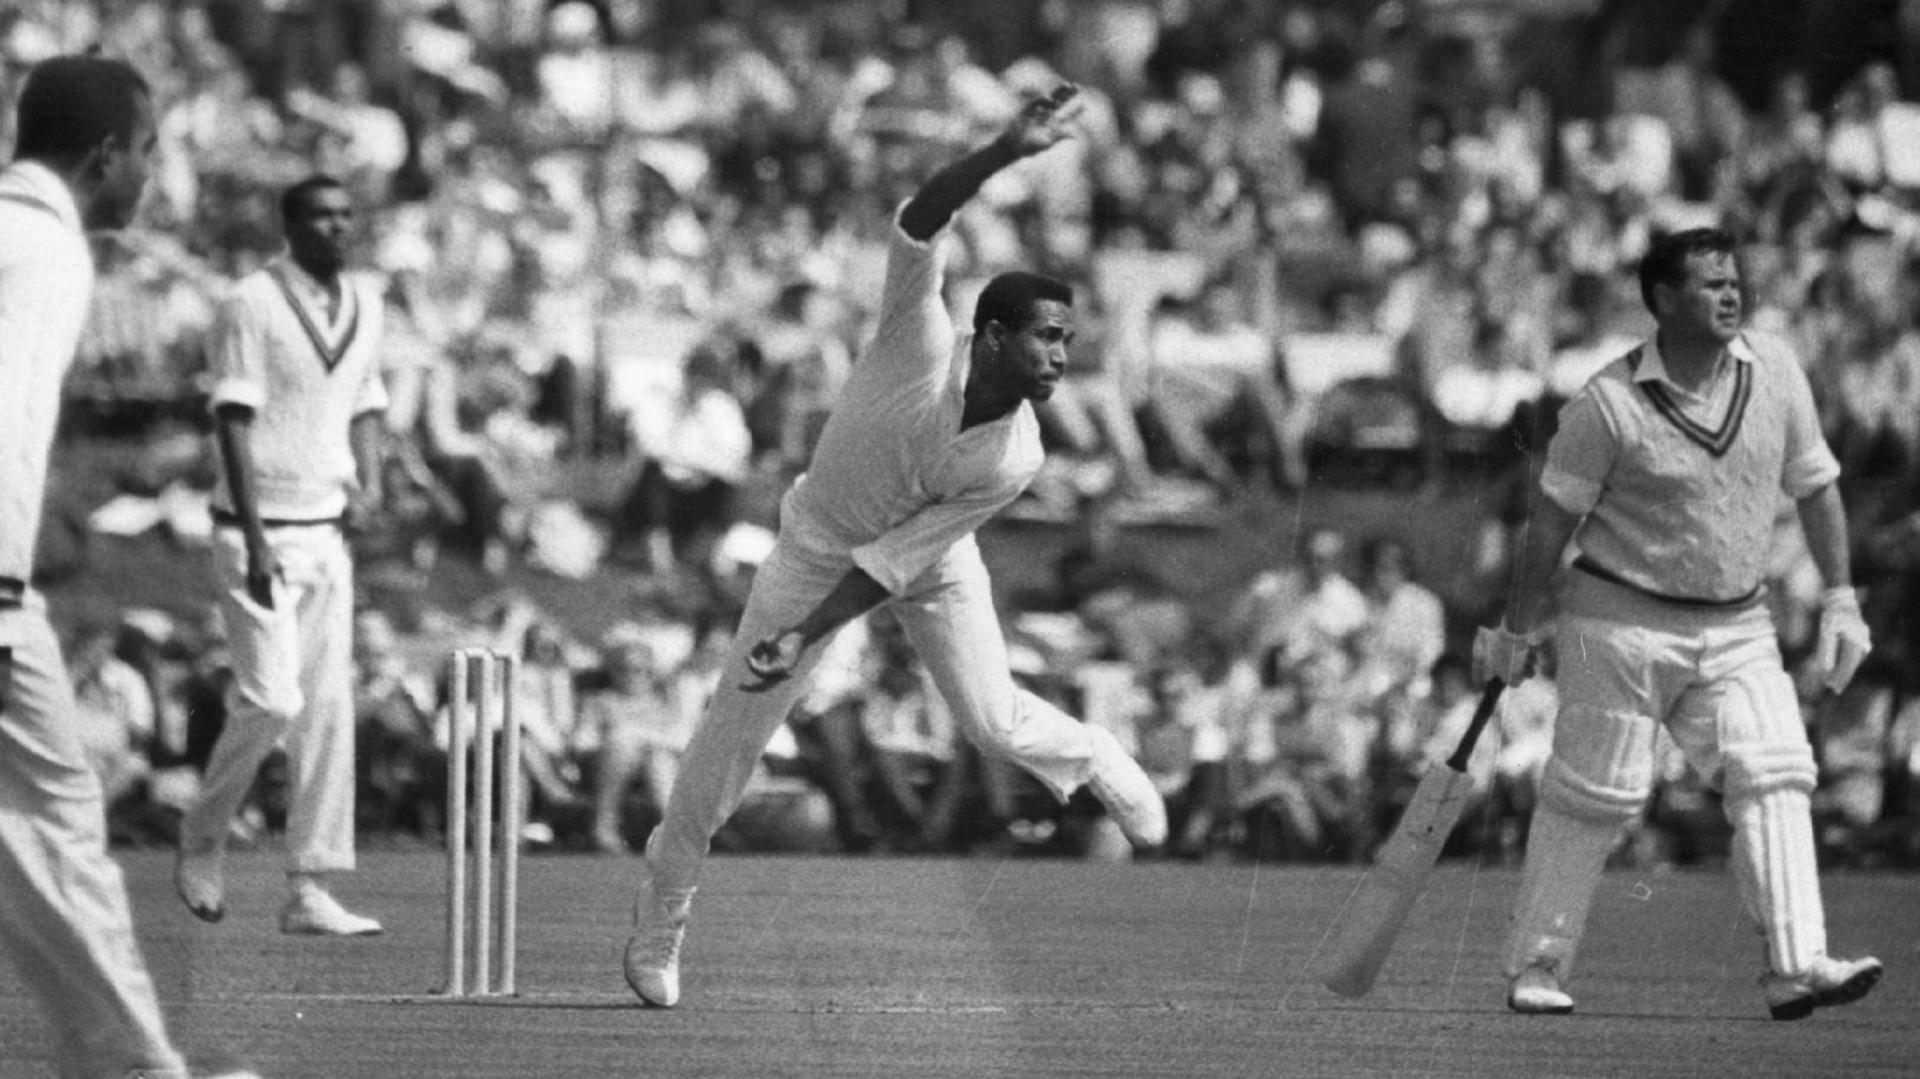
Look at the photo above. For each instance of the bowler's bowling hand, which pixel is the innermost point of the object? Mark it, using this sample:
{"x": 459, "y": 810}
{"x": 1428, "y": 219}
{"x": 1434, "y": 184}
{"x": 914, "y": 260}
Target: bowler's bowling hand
{"x": 1844, "y": 641}
{"x": 1044, "y": 121}
{"x": 773, "y": 659}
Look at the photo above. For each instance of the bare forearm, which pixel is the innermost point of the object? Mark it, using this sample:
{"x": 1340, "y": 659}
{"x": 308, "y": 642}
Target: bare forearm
{"x": 1824, "y": 520}
{"x": 854, "y": 595}
{"x": 952, "y": 187}
{"x": 367, "y": 436}
{"x": 233, "y": 427}
{"x": 1549, "y": 529}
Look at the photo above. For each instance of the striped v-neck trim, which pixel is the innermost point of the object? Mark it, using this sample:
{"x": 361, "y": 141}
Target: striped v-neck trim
{"x": 330, "y": 355}
{"x": 1716, "y": 441}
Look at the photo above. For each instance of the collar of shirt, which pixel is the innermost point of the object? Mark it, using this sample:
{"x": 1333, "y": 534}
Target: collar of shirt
{"x": 41, "y": 184}
{"x": 1653, "y": 366}
{"x": 314, "y": 294}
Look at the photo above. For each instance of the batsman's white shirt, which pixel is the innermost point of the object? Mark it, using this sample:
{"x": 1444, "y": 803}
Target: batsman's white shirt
{"x": 894, "y": 482}
{"x": 1681, "y": 489}
{"x": 46, "y": 277}
{"x": 305, "y": 376}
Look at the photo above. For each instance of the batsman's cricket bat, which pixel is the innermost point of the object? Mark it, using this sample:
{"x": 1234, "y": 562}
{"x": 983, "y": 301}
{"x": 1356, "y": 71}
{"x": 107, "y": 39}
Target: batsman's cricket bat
{"x": 1401, "y": 870}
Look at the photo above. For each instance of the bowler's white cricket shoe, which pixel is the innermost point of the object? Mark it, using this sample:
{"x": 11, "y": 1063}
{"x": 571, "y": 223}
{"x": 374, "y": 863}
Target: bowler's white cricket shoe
{"x": 1536, "y": 991}
{"x": 652, "y": 960}
{"x": 1123, "y": 787}
{"x": 199, "y": 875}
{"x": 1827, "y": 983}
{"x": 313, "y": 912}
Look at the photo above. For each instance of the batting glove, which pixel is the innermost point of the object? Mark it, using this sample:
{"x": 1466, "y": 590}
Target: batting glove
{"x": 1844, "y": 641}
{"x": 1498, "y": 652}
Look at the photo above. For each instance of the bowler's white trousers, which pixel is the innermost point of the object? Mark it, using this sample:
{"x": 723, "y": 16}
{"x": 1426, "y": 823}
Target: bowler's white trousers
{"x": 948, "y": 615}
{"x": 293, "y": 683}
{"x": 64, "y": 917}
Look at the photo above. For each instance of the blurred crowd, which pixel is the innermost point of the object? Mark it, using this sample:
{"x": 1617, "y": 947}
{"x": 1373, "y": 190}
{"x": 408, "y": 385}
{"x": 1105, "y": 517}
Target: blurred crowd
{"x": 631, "y": 248}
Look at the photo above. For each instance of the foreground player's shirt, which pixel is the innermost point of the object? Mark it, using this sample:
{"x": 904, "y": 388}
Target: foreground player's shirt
{"x": 1680, "y": 490}
{"x": 46, "y": 277}
{"x": 305, "y": 377}
{"x": 894, "y": 481}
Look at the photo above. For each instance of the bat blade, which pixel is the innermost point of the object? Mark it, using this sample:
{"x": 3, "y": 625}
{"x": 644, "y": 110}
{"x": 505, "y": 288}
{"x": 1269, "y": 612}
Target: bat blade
{"x": 1403, "y": 866}
{"x": 1398, "y": 877}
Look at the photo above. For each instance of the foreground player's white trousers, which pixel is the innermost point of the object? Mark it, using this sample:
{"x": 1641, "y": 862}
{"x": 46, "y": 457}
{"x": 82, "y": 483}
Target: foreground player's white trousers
{"x": 293, "y": 683}
{"x": 1627, "y": 664}
{"x": 949, "y": 617}
{"x": 64, "y": 918}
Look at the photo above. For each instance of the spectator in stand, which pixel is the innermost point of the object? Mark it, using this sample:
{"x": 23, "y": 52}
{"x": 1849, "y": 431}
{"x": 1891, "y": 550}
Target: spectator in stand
{"x": 402, "y": 769}
{"x": 683, "y": 500}
{"x": 1303, "y": 610}
{"x": 548, "y": 714}
{"x": 920, "y": 774}
{"x": 113, "y": 715}
{"x": 809, "y": 359}
{"x": 636, "y": 727}
{"x": 1218, "y": 397}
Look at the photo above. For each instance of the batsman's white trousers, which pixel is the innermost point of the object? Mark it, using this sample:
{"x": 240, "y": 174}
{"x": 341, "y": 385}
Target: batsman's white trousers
{"x": 293, "y": 683}
{"x": 64, "y": 917}
{"x": 1714, "y": 678}
{"x": 948, "y": 615}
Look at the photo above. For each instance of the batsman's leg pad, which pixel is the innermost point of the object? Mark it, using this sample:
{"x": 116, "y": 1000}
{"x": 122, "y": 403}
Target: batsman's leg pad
{"x": 1767, "y": 790}
{"x": 1598, "y": 779}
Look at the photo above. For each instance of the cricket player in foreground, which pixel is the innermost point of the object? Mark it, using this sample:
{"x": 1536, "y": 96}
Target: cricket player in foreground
{"x": 933, "y": 434}
{"x": 1666, "y": 475}
{"x": 297, "y": 408}
{"x": 85, "y": 138}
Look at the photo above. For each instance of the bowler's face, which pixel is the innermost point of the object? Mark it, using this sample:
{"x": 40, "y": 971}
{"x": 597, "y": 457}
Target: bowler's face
{"x": 1034, "y": 355}
{"x": 320, "y": 229}
{"x": 1707, "y": 303}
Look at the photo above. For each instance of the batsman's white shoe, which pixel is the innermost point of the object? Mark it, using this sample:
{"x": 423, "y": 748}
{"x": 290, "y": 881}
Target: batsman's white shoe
{"x": 652, "y": 961}
{"x": 313, "y": 912}
{"x": 199, "y": 875}
{"x": 1827, "y": 983}
{"x": 1130, "y": 797}
{"x": 1536, "y": 991}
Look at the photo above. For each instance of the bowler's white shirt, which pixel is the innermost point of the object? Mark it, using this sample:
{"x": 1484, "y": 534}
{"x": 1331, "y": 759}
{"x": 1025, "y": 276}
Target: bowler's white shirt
{"x": 46, "y": 278}
{"x": 894, "y": 482}
{"x": 265, "y": 359}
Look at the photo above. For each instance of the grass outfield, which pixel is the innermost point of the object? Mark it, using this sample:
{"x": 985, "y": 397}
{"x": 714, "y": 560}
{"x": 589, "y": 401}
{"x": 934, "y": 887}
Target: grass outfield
{"x": 894, "y": 967}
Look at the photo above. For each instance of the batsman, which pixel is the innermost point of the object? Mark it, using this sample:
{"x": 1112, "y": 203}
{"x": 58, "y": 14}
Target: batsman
{"x": 1663, "y": 482}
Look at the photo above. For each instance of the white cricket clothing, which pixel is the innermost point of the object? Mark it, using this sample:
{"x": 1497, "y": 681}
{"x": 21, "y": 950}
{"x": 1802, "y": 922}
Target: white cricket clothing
{"x": 894, "y": 482}
{"x": 46, "y": 278}
{"x": 65, "y": 923}
{"x": 305, "y": 376}
{"x": 896, "y": 488}
{"x": 1680, "y": 490}
{"x": 293, "y": 688}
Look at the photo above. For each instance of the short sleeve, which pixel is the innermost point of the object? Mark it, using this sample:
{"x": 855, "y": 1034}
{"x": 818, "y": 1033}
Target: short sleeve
{"x": 239, "y": 353}
{"x": 1808, "y": 463}
{"x": 1581, "y": 455}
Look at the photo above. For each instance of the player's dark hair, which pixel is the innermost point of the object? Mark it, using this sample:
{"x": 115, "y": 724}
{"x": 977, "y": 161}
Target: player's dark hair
{"x": 1665, "y": 262}
{"x": 294, "y": 199}
{"x": 71, "y": 104}
{"x": 1009, "y": 298}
